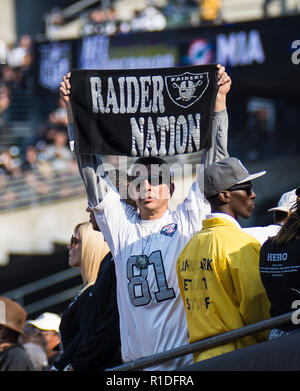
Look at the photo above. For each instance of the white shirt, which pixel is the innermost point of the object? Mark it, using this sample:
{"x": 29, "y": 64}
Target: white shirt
{"x": 152, "y": 314}
{"x": 223, "y": 216}
{"x": 261, "y": 234}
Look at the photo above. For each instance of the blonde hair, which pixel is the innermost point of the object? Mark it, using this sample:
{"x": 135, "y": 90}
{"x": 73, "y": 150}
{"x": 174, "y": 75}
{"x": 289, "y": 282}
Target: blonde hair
{"x": 93, "y": 249}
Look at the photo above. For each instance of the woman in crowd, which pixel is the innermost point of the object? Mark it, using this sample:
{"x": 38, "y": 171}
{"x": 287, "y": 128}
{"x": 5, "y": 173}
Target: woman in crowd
{"x": 280, "y": 269}
{"x": 86, "y": 251}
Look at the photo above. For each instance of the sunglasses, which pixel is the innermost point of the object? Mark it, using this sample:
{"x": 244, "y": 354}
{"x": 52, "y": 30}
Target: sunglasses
{"x": 244, "y": 186}
{"x": 153, "y": 180}
{"x": 74, "y": 241}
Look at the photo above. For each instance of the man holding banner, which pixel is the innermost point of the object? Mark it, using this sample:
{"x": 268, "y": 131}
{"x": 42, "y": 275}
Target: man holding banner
{"x": 147, "y": 113}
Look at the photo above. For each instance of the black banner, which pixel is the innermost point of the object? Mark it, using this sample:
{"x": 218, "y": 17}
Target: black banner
{"x": 143, "y": 112}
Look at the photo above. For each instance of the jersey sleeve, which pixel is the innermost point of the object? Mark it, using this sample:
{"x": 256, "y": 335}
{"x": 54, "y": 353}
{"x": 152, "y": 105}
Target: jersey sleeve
{"x": 195, "y": 207}
{"x": 95, "y": 178}
{"x": 218, "y": 150}
{"x": 193, "y": 210}
{"x": 111, "y": 215}
{"x": 104, "y": 199}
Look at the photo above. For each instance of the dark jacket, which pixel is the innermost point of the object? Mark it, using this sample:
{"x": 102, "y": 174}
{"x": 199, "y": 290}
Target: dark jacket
{"x": 280, "y": 274}
{"x": 97, "y": 344}
{"x": 71, "y": 318}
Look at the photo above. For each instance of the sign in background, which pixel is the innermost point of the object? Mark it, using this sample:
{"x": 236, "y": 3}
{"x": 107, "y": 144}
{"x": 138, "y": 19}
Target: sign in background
{"x": 262, "y": 57}
{"x": 258, "y": 54}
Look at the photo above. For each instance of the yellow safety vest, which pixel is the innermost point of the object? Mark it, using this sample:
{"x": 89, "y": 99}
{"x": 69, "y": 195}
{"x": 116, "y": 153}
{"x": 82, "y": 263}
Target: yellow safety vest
{"x": 219, "y": 280}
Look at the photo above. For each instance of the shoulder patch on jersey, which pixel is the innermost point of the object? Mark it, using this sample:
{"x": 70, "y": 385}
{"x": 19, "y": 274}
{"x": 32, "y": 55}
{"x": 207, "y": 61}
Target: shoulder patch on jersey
{"x": 169, "y": 229}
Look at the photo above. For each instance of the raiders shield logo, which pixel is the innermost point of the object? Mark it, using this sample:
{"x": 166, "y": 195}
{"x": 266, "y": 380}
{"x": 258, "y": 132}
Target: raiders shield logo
{"x": 187, "y": 88}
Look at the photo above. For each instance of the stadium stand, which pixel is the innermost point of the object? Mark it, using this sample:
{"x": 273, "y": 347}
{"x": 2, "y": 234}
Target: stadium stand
{"x": 38, "y": 174}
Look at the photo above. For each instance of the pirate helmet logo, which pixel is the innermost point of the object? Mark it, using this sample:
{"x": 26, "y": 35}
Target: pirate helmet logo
{"x": 187, "y": 88}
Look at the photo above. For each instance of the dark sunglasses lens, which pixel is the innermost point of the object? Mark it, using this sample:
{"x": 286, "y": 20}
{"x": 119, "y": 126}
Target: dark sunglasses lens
{"x": 74, "y": 240}
{"x": 155, "y": 180}
{"x": 247, "y": 188}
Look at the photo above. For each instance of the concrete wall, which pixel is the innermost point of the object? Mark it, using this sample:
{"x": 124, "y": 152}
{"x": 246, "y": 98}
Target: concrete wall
{"x": 7, "y": 22}
{"x": 34, "y": 230}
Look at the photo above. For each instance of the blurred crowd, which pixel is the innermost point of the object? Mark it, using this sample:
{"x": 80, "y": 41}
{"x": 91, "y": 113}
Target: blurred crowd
{"x": 27, "y": 345}
{"x": 155, "y": 15}
{"x": 42, "y": 168}
{"x": 34, "y": 170}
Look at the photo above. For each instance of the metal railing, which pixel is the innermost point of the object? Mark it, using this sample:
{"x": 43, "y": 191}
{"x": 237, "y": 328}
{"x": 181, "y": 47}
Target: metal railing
{"x": 19, "y": 293}
{"x": 205, "y": 344}
{"x": 78, "y": 7}
{"x": 71, "y": 11}
{"x": 39, "y": 189}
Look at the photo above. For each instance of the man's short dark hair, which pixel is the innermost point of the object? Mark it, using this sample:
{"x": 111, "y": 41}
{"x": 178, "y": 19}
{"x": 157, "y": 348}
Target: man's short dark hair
{"x": 214, "y": 200}
{"x": 147, "y": 161}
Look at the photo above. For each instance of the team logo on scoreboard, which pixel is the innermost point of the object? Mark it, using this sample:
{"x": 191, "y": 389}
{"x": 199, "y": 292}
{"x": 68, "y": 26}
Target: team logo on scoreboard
{"x": 187, "y": 88}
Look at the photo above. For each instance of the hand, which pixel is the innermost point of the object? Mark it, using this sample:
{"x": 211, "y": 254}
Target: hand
{"x": 65, "y": 91}
{"x": 65, "y": 88}
{"x": 224, "y": 83}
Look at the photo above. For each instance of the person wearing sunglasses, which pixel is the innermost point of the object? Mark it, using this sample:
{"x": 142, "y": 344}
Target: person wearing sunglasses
{"x": 218, "y": 271}
{"x": 146, "y": 241}
{"x": 87, "y": 249}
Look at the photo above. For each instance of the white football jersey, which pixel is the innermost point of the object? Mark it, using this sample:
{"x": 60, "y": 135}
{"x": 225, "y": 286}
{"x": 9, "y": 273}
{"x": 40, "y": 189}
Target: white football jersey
{"x": 152, "y": 314}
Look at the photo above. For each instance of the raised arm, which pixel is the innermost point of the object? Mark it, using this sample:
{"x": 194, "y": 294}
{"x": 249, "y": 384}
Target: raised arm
{"x": 94, "y": 176}
{"x": 218, "y": 150}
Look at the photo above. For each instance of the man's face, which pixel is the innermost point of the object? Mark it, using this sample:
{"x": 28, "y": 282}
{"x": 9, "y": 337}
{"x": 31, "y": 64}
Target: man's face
{"x": 243, "y": 202}
{"x": 151, "y": 191}
{"x": 53, "y": 339}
